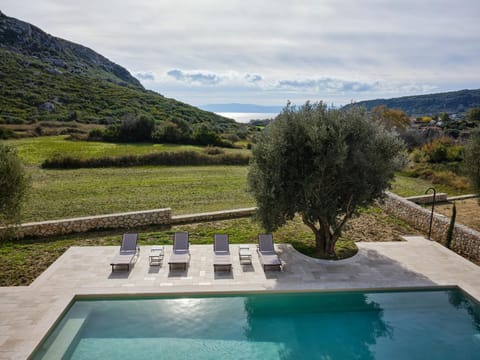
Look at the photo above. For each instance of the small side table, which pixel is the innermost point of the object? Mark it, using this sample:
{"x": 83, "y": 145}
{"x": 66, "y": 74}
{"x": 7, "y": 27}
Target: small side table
{"x": 244, "y": 254}
{"x": 156, "y": 255}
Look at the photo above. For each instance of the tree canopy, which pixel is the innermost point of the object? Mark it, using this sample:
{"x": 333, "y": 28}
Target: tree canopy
{"x": 391, "y": 119}
{"x": 13, "y": 185}
{"x": 323, "y": 164}
{"x": 472, "y": 159}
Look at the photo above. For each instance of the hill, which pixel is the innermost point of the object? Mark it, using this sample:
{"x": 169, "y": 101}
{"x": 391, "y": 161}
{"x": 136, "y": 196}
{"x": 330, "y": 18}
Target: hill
{"x": 454, "y": 102}
{"x": 43, "y": 77}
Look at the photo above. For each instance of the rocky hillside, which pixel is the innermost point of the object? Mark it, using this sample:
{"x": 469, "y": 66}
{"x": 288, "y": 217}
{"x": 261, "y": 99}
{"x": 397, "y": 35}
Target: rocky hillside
{"x": 43, "y": 77}
{"x": 454, "y": 102}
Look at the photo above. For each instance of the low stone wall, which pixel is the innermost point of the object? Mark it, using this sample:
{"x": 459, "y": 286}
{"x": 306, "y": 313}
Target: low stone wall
{"x": 465, "y": 241}
{"x": 213, "y": 216}
{"x": 127, "y": 220}
{"x": 83, "y": 224}
{"x": 428, "y": 199}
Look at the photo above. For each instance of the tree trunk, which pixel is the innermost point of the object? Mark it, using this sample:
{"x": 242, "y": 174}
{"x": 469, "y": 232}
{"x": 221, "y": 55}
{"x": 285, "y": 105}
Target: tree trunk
{"x": 324, "y": 239}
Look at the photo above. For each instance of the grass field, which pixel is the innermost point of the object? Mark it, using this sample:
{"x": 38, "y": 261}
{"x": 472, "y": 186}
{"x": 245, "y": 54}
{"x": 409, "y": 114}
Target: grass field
{"x": 409, "y": 186}
{"x": 186, "y": 189}
{"x": 33, "y": 151}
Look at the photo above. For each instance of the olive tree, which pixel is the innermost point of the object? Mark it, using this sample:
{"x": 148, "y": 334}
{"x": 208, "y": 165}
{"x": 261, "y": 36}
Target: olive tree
{"x": 322, "y": 164}
{"x": 13, "y": 185}
{"x": 472, "y": 159}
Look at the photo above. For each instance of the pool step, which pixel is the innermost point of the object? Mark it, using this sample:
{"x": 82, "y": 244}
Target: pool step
{"x": 175, "y": 348}
{"x": 71, "y": 327}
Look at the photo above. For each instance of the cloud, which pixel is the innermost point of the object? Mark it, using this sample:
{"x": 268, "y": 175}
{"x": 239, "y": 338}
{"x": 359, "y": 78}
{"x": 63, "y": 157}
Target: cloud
{"x": 253, "y": 78}
{"x": 145, "y": 76}
{"x": 195, "y": 77}
{"x": 328, "y": 85}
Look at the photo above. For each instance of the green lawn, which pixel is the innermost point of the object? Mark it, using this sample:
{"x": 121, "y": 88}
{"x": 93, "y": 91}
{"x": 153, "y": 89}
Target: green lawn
{"x": 409, "y": 186}
{"x": 186, "y": 189}
{"x": 33, "y": 151}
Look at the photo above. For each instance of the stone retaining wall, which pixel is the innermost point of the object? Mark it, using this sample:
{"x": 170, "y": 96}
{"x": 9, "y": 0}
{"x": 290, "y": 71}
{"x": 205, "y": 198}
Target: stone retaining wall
{"x": 134, "y": 219}
{"x": 465, "y": 241}
{"x": 213, "y": 216}
{"x": 428, "y": 199}
{"x": 83, "y": 224}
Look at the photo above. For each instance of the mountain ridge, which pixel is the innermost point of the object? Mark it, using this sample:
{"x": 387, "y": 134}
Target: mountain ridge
{"x": 452, "y": 102}
{"x": 43, "y": 77}
{"x": 27, "y": 39}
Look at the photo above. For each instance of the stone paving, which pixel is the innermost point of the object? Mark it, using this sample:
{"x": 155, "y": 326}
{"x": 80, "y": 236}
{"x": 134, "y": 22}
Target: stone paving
{"x": 27, "y": 313}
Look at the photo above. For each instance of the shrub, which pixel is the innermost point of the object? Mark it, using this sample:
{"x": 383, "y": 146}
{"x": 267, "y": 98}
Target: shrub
{"x": 472, "y": 159}
{"x": 181, "y": 158}
{"x": 213, "y": 150}
{"x": 451, "y": 227}
{"x": 131, "y": 129}
{"x": 95, "y": 134}
{"x": 13, "y": 185}
{"x": 439, "y": 151}
{"x": 7, "y": 134}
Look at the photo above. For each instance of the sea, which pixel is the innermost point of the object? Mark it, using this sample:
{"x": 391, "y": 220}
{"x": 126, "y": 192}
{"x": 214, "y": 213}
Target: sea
{"x": 243, "y": 117}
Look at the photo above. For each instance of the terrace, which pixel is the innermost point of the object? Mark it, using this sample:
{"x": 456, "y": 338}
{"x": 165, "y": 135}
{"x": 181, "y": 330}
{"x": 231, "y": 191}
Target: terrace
{"x": 27, "y": 313}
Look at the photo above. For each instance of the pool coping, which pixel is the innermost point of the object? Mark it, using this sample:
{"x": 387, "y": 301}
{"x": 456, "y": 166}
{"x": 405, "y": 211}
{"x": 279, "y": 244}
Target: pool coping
{"x": 413, "y": 264}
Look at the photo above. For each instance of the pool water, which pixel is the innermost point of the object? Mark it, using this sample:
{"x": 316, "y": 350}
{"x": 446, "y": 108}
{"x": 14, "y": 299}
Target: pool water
{"x": 433, "y": 324}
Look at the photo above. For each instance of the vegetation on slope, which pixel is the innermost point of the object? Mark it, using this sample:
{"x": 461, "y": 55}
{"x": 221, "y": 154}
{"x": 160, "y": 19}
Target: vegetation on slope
{"x": 46, "y": 78}
{"x": 454, "y": 102}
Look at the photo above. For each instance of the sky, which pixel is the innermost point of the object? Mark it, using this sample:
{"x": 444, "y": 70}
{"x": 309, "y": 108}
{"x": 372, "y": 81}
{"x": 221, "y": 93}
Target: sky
{"x": 269, "y": 52}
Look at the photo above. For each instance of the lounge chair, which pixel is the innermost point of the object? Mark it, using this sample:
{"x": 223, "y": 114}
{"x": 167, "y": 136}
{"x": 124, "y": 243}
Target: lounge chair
{"x": 266, "y": 252}
{"x": 128, "y": 252}
{"x": 180, "y": 252}
{"x": 221, "y": 250}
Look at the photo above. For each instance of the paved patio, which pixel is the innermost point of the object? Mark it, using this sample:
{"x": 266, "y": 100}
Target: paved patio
{"x": 27, "y": 313}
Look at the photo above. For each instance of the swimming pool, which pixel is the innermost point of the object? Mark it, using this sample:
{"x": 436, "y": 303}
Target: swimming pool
{"x": 427, "y": 324}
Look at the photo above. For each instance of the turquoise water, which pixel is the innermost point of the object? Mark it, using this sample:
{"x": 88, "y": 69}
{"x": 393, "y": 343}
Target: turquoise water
{"x": 439, "y": 324}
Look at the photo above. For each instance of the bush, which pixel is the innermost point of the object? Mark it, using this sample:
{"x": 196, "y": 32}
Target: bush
{"x": 213, "y": 150}
{"x": 184, "y": 158}
{"x": 131, "y": 129}
{"x": 439, "y": 151}
{"x": 472, "y": 159}
{"x": 451, "y": 227}
{"x": 7, "y": 134}
{"x": 95, "y": 134}
{"x": 13, "y": 185}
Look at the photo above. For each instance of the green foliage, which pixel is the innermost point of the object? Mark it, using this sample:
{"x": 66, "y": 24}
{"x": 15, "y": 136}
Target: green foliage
{"x": 131, "y": 129}
{"x": 173, "y": 132}
{"x": 472, "y": 159}
{"x": 419, "y": 105}
{"x": 205, "y": 135}
{"x": 451, "y": 227}
{"x": 90, "y": 96}
{"x": 474, "y": 115}
{"x": 439, "y": 162}
{"x": 439, "y": 150}
{"x": 391, "y": 119}
{"x": 6, "y": 134}
{"x": 178, "y": 158}
{"x": 13, "y": 185}
{"x": 323, "y": 164}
